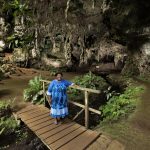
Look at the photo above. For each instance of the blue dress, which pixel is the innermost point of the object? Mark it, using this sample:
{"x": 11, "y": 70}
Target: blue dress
{"x": 57, "y": 90}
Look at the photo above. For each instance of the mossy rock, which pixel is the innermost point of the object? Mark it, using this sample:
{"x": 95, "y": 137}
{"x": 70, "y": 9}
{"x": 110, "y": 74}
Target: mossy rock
{"x": 130, "y": 69}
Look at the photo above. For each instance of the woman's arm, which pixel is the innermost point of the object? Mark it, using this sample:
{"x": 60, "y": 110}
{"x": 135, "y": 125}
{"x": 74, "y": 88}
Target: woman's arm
{"x": 68, "y": 83}
{"x": 49, "y": 92}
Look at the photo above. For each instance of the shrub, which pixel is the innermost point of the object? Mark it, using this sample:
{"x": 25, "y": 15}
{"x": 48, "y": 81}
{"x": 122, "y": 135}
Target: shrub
{"x": 122, "y": 105}
{"x": 88, "y": 80}
{"x": 34, "y": 92}
{"x": 7, "y": 125}
{"x": 5, "y": 108}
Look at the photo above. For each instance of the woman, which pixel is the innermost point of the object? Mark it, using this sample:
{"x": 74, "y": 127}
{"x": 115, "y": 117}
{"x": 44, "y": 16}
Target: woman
{"x": 58, "y": 97}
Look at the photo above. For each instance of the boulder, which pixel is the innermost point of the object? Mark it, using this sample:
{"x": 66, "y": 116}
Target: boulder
{"x": 8, "y": 69}
{"x": 112, "y": 52}
{"x": 20, "y": 57}
{"x": 110, "y": 57}
{"x": 56, "y": 63}
{"x": 144, "y": 63}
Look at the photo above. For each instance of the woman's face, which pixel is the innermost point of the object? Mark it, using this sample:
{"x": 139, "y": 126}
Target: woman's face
{"x": 59, "y": 77}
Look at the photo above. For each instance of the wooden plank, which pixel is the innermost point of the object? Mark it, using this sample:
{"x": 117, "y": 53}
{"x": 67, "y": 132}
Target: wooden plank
{"x": 82, "y": 106}
{"x": 39, "y": 121}
{"x": 61, "y": 141}
{"x": 56, "y": 130}
{"x": 86, "y": 109}
{"x": 40, "y": 108}
{"x": 83, "y": 140}
{"x": 26, "y": 109}
{"x": 34, "y": 110}
{"x": 28, "y": 117}
{"x": 47, "y": 128}
{"x": 37, "y": 111}
{"x": 37, "y": 118}
{"x": 30, "y": 112}
{"x": 63, "y": 133}
{"x": 78, "y": 114}
{"x": 42, "y": 125}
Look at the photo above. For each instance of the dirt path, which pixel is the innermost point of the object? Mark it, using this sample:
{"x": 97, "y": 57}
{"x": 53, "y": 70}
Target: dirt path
{"x": 141, "y": 118}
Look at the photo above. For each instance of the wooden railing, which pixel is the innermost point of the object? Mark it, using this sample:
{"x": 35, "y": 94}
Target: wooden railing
{"x": 84, "y": 107}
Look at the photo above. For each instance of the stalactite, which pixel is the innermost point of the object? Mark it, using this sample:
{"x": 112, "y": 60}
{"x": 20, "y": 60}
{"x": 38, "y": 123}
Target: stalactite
{"x": 82, "y": 46}
{"x": 67, "y": 8}
{"x": 93, "y": 4}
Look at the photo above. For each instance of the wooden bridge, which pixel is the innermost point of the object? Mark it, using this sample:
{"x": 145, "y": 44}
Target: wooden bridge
{"x": 66, "y": 136}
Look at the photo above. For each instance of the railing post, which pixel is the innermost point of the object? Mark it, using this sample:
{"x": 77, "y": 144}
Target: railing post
{"x": 44, "y": 94}
{"x": 86, "y": 109}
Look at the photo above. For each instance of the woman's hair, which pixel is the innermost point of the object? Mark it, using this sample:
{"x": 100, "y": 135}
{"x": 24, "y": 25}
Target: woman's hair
{"x": 58, "y": 73}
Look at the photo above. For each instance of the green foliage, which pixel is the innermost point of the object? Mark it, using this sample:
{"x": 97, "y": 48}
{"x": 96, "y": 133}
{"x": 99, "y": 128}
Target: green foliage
{"x": 16, "y": 40}
{"x": 88, "y": 80}
{"x": 34, "y": 92}
{"x": 5, "y": 107}
{"x": 92, "y": 81}
{"x": 15, "y": 6}
{"x": 4, "y": 104}
{"x": 7, "y": 125}
{"x": 122, "y": 105}
{"x": 17, "y": 9}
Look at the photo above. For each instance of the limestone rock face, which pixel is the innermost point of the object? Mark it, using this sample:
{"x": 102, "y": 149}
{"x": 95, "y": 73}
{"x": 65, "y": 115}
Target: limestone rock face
{"x": 112, "y": 52}
{"x": 110, "y": 56}
{"x": 2, "y": 27}
{"x": 2, "y": 45}
{"x": 144, "y": 60}
{"x": 82, "y": 33}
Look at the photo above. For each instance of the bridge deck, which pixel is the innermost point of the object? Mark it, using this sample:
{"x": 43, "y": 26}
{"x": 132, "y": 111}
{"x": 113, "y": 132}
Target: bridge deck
{"x": 66, "y": 136}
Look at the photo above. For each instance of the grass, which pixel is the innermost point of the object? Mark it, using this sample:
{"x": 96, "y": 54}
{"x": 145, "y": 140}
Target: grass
{"x": 122, "y": 105}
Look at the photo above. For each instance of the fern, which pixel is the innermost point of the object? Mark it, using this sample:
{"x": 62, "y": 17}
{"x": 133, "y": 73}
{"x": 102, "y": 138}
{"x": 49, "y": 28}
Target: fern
{"x": 122, "y": 105}
{"x": 34, "y": 92}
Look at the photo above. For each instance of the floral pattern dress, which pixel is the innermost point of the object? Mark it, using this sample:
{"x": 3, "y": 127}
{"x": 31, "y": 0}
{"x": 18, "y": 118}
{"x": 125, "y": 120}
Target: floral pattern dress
{"x": 57, "y": 90}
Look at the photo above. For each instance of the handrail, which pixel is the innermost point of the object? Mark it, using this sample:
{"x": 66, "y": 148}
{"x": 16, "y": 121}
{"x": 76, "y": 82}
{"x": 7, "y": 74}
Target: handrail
{"x": 79, "y": 88}
{"x": 86, "y": 100}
